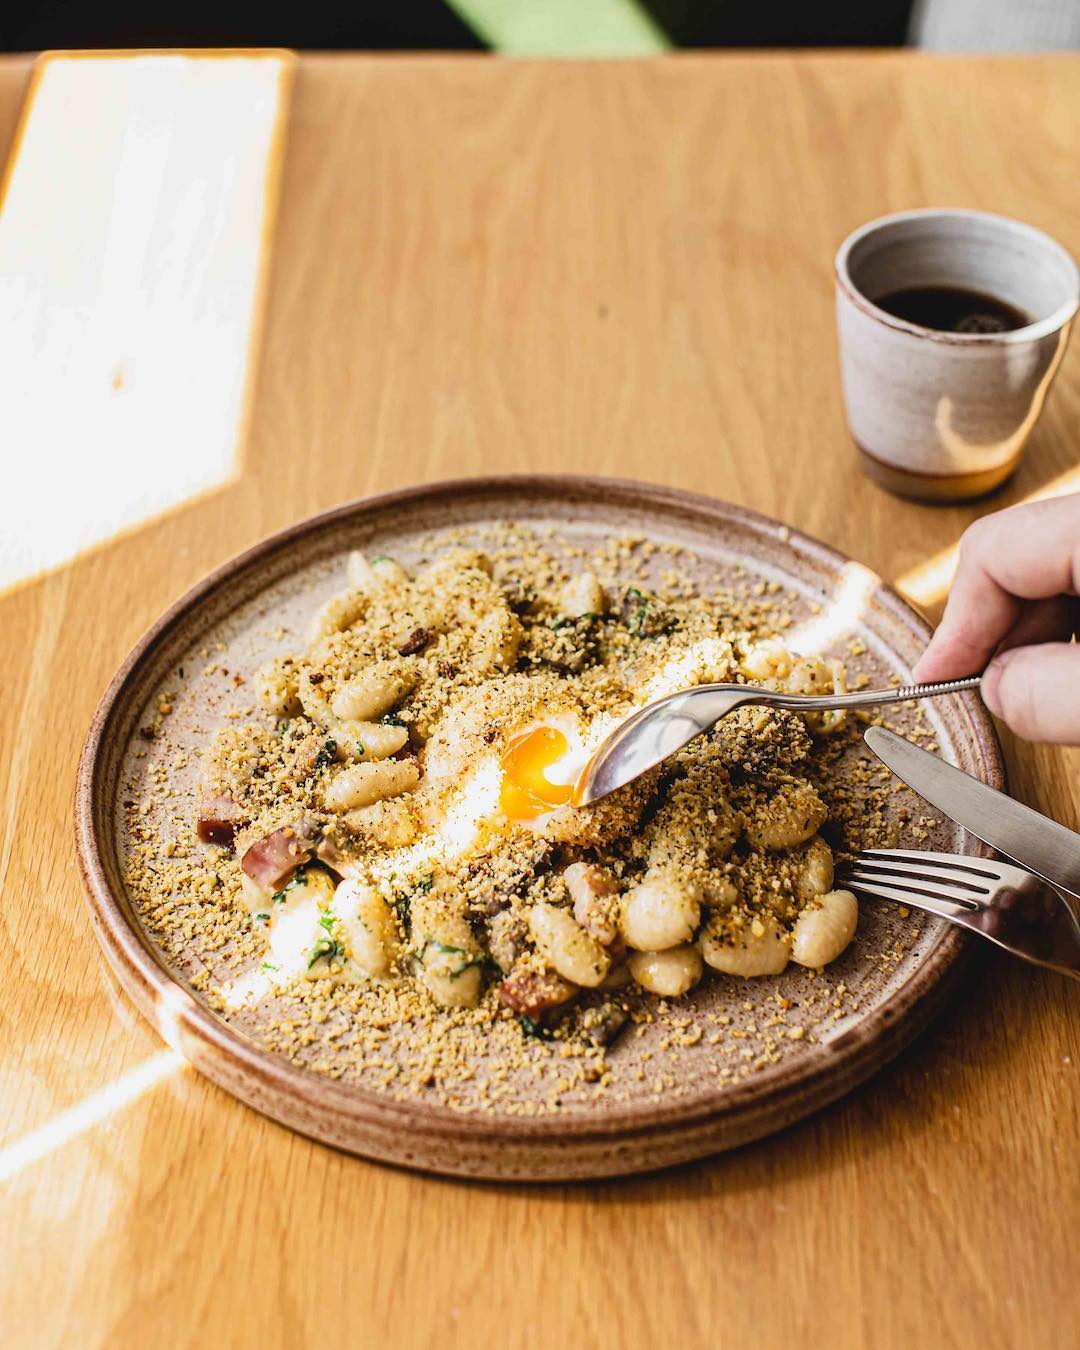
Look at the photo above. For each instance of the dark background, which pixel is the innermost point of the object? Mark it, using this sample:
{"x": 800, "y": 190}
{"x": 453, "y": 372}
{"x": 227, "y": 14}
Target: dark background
{"x": 30, "y": 25}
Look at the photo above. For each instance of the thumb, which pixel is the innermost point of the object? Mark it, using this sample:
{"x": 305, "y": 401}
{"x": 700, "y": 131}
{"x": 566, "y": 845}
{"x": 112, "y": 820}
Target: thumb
{"x": 1036, "y": 691}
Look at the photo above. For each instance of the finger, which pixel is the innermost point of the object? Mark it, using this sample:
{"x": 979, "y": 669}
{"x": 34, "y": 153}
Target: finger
{"x": 1036, "y": 691}
{"x": 1053, "y": 620}
{"x": 1029, "y": 552}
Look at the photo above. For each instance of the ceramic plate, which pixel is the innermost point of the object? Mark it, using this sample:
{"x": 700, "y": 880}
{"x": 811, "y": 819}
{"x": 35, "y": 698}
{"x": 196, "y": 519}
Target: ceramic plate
{"x": 674, "y": 1097}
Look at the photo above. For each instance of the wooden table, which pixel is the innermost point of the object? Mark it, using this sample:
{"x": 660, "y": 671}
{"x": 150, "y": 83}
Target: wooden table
{"x": 615, "y": 268}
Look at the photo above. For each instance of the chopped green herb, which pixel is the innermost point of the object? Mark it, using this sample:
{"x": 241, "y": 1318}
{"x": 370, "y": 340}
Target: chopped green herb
{"x": 360, "y": 750}
{"x": 267, "y": 966}
{"x": 381, "y": 557}
{"x": 327, "y": 947}
{"x": 264, "y": 917}
{"x": 298, "y": 878}
{"x": 570, "y": 621}
{"x": 643, "y": 616}
{"x": 443, "y": 949}
{"x": 537, "y": 1030}
{"x": 402, "y": 904}
{"x": 392, "y": 720}
{"x": 326, "y": 755}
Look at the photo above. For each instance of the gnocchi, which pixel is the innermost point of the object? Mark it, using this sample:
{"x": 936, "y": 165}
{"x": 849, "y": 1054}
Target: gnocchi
{"x": 369, "y": 695}
{"x": 448, "y": 959}
{"x": 659, "y": 914}
{"x": 824, "y": 929}
{"x": 372, "y": 940}
{"x": 668, "y": 973}
{"x": 763, "y": 949}
{"x": 365, "y": 784}
{"x": 567, "y": 948}
{"x": 426, "y": 742}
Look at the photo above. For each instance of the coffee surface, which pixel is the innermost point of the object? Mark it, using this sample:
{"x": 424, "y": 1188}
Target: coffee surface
{"x": 951, "y": 309}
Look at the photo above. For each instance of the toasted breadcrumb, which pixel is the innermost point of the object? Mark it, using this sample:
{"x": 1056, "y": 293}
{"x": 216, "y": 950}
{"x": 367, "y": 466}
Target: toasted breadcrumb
{"x": 484, "y": 653}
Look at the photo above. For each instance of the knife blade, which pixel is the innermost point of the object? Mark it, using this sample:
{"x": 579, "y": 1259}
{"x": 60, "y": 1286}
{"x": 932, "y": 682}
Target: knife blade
{"x": 1041, "y": 845}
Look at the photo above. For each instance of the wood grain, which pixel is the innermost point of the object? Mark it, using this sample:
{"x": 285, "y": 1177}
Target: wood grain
{"x": 486, "y": 266}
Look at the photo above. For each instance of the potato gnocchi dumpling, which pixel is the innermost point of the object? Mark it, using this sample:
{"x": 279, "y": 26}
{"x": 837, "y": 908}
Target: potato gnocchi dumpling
{"x": 399, "y": 804}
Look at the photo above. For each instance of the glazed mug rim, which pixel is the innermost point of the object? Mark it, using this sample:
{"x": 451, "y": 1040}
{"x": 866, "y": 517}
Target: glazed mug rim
{"x": 1031, "y": 332}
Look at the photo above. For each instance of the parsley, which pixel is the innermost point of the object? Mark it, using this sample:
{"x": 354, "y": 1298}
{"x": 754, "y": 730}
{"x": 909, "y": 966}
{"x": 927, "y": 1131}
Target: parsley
{"x": 425, "y": 883}
{"x": 381, "y": 557}
{"x": 298, "y": 878}
{"x": 327, "y": 947}
{"x": 635, "y": 610}
{"x": 262, "y": 918}
{"x": 282, "y": 727}
{"x": 360, "y": 750}
{"x": 643, "y": 617}
{"x": 444, "y": 949}
{"x": 326, "y": 755}
{"x": 571, "y": 621}
{"x": 392, "y": 720}
{"x": 537, "y": 1030}
{"x": 267, "y": 966}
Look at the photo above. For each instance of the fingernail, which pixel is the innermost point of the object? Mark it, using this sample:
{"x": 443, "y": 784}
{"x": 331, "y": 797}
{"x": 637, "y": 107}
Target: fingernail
{"x": 991, "y": 681}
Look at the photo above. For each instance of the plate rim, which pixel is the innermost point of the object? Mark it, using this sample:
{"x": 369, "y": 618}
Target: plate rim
{"x": 823, "y": 1073}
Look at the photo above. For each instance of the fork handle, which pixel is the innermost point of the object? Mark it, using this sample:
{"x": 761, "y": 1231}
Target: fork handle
{"x": 862, "y": 698}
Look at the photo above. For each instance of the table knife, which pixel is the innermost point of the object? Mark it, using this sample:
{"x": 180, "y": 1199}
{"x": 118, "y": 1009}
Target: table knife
{"x": 1041, "y": 845}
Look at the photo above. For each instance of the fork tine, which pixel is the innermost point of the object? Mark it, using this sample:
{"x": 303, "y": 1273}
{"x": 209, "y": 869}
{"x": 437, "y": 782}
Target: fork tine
{"x": 927, "y": 883}
{"x": 902, "y": 896}
{"x": 995, "y": 871}
{"x": 923, "y": 880}
{"x": 957, "y": 866}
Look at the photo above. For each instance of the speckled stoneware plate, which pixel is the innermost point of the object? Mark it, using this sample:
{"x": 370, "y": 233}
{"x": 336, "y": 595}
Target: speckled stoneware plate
{"x": 722, "y": 1067}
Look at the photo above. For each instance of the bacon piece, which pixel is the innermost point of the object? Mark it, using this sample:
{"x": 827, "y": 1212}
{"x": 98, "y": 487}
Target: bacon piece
{"x": 596, "y": 901}
{"x": 532, "y": 993}
{"x": 271, "y": 859}
{"x": 219, "y": 816}
{"x": 417, "y": 640}
{"x": 601, "y": 1025}
{"x": 329, "y": 853}
{"x": 307, "y": 755}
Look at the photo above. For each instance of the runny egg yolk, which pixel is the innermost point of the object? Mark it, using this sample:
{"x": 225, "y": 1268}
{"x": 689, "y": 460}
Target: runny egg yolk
{"x": 526, "y": 792}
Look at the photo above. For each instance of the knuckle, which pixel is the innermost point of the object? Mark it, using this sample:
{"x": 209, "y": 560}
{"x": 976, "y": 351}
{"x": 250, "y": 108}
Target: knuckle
{"x": 973, "y": 537}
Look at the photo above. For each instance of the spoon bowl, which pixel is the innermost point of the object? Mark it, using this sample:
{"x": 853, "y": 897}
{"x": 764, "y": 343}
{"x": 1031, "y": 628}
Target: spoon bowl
{"x": 654, "y": 733}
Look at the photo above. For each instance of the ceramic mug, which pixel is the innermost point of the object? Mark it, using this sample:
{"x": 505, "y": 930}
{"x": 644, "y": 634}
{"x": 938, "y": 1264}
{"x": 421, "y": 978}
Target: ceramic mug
{"x": 939, "y": 414}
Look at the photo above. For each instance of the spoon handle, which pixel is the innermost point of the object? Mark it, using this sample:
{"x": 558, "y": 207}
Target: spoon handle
{"x": 862, "y": 698}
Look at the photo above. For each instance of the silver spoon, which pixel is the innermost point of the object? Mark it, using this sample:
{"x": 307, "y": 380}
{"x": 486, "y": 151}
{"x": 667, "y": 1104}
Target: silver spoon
{"x": 652, "y": 734}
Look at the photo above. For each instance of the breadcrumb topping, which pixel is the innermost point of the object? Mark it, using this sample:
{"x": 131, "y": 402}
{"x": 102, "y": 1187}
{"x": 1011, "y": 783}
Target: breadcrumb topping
{"x": 335, "y": 867}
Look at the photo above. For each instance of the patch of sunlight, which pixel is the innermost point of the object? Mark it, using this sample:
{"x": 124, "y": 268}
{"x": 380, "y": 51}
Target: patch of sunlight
{"x": 91, "y": 1111}
{"x": 133, "y": 230}
{"x": 467, "y": 810}
{"x": 840, "y": 615}
{"x": 927, "y": 584}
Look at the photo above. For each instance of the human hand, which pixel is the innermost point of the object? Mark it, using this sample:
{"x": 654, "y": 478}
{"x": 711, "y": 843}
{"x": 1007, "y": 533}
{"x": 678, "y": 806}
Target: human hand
{"x": 1015, "y": 599}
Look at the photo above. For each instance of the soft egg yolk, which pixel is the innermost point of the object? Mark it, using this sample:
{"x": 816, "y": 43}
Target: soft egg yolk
{"x": 526, "y": 792}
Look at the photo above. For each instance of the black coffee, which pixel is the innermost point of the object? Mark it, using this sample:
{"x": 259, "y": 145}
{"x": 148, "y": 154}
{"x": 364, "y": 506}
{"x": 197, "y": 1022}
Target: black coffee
{"x": 953, "y": 310}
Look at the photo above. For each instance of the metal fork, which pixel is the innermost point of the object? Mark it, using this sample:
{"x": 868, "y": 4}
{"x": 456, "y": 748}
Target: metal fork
{"x": 1001, "y": 901}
